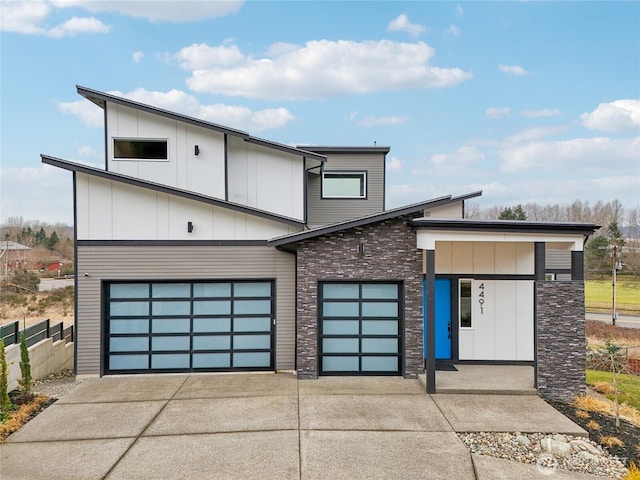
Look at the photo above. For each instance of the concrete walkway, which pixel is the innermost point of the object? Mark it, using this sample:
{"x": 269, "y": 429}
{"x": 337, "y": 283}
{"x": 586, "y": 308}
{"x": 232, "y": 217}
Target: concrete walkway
{"x": 267, "y": 426}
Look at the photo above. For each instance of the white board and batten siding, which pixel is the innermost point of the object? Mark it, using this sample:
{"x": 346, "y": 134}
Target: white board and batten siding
{"x": 108, "y": 263}
{"x": 110, "y": 210}
{"x": 502, "y": 317}
{"x": 511, "y": 258}
{"x": 264, "y": 178}
{"x": 203, "y": 173}
{"x": 502, "y": 321}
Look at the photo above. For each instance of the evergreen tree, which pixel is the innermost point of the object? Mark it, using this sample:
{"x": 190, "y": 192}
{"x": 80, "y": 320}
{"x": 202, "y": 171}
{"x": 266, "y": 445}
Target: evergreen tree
{"x": 25, "y": 367}
{"x": 5, "y": 403}
{"x": 52, "y": 241}
{"x": 517, "y": 213}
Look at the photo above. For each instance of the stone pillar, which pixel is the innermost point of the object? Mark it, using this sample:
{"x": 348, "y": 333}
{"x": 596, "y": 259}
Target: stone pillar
{"x": 561, "y": 343}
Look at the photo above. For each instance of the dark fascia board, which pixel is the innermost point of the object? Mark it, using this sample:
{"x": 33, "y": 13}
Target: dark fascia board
{"x": 504, "y": 226}
{"x": 377, "y": 217}
{"x": 286, "y": 148}
{"x": 336, "y": 149}
{"x": 117, "y": 177}
{"x": 99, "y": 98}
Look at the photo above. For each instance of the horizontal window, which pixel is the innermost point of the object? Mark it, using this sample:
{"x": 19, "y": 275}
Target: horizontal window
{"x": 140, "y": 149}
{"x": 344, "y": 185}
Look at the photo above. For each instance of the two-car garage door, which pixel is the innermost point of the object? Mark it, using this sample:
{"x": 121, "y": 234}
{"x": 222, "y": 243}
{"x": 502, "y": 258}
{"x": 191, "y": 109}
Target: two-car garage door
{"x": 189, "y": 326}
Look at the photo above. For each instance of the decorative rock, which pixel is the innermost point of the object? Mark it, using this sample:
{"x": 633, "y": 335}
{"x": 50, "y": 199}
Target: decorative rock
{"x": 560, "y": 438}
{"x": 588, "y": 456}
{"x": 576, "y": 454}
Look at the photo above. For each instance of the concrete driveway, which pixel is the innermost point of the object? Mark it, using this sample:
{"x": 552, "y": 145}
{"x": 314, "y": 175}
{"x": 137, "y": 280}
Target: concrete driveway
{"x": 267, "y": 426}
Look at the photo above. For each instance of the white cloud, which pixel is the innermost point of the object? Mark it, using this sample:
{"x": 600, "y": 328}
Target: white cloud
{"x": 497, "y": 112}
{"x": 173, "y": 11}
{"x": 89, "y": 152}
{"x": 534, "y": 133}
{"x": 453, "y": 30}
{"x": 402, "y": 24}
{"x": 319, "y": 69}
{"x": 394, "y": 164}
{"x": 42, "y": 193}
{"x": 618, "y": 116}
{"x": 459, "y": 10}
{"x": 545, "y": 112}
{"x": 137, "y": 56}
{"x": 516, "y": 70}
{"x": 460, "y": 162}
{"x": 579, "y": 154}
{"x": 178, "y": 101}
{"x": 88, "y": 112}
{"x": 30, "y": 18}
{"x": 373, "y": 121}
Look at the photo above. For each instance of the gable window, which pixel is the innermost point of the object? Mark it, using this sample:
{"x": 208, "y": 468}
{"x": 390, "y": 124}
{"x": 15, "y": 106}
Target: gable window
{"x": 147, "y": 149}
{"x": 344, "y": 184}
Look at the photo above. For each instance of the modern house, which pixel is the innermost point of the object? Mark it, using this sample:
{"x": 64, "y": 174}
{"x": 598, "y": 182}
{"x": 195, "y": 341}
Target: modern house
{"x": 201, "y": 248}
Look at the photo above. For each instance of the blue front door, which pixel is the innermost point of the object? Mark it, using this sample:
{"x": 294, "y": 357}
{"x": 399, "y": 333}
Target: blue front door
{"x": 443, "y": 318}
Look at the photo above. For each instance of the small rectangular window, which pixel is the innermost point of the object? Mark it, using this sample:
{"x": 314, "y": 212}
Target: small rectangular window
{"x": 344, "y": 185}
{"x": 140, "y": 149}
{"x": 465, "y": 304}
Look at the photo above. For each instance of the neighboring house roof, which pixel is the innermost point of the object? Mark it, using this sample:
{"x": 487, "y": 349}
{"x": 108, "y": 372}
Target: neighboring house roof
{"x": 11, "y": 246}
{"x": 506, "y": 226}
{"x": 100, "y": 99}
{"x": 366, "y": 220}
{"x": 117, "y": 177}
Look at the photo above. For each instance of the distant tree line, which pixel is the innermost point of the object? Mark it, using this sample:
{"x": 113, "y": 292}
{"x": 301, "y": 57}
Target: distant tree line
{"x": 618, "y": 238}
{"x": 48, "y": 242}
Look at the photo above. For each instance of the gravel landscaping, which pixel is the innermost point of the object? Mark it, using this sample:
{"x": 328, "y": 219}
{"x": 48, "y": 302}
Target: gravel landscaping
{"x": 55, "y": 385}
{"x": 547, "y": 451}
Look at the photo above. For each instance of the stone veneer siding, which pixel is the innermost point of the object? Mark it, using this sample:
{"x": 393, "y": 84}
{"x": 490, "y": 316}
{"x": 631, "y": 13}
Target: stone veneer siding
{"x": 391, "y": 255}
{"x": 560, "y": 339}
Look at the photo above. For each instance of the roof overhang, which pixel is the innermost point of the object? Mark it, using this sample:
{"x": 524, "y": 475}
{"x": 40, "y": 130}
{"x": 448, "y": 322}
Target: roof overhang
{"x": 101, "y": 99}
{"x": 118, "y": 177}
{"x": 366, "y": 220}
{"x": 561, "y": 235}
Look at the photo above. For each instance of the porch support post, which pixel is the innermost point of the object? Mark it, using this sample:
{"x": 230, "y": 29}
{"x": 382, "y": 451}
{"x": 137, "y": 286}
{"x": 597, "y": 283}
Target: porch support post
{"x": 539, "y": 260}
{"x": 431, "y": 321}
{"x": 577, "y": 265}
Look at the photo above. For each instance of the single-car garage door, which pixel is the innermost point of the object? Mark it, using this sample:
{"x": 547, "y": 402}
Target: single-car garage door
{"x": 189, "y": 326}
{"x": 360, "y": 328}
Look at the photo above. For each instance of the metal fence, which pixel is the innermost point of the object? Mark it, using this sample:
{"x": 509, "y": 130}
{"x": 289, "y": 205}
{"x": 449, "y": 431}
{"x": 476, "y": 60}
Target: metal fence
{"x": 10, "y": 333}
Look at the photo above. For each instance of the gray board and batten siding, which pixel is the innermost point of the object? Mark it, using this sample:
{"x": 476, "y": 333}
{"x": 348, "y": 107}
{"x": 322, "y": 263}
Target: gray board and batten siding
{"x": 325, "y": 211}
{"x": 98, "y": 264}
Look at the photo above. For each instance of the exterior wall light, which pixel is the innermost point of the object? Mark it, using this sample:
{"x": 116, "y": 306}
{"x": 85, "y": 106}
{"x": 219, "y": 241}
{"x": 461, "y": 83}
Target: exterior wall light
{"x": 197, "y": 150}
{"x": 189, "y": 227}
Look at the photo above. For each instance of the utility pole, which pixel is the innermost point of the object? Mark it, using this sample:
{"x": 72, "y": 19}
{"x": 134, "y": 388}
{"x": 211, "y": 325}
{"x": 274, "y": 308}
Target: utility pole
{"x": 614, "y": 256}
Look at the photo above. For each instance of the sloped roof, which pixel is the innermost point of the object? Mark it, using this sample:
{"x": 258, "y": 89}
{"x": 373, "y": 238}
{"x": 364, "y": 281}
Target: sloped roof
{"x": 178, "y": 192}
{"x": 100, "y": 99}
{"x": 368, "y": 219}
{"x": 11, "y": 246}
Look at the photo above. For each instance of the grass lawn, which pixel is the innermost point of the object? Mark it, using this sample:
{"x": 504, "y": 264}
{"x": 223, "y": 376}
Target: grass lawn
{"x": 628, "y": 384}
{"x": 598, "y": 294}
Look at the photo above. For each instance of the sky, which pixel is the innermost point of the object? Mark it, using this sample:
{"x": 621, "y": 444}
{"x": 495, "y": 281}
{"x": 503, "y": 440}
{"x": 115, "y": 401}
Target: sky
{"x": 526, "y": 101}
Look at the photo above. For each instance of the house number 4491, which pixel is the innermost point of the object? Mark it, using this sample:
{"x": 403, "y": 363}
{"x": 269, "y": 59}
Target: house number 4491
{"x": 481, "y": 298}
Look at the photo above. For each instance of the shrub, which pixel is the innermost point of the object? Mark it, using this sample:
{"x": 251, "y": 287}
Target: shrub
{"x": 5, "y": 403}
{"x": 593, "y": 425}
{"x": 610, "y": 442}
{"x": 25, "y": 367}
{"x": 633, "y": 473}
{"x": 582, "y": 414}
{"x": 604, "y": 387}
